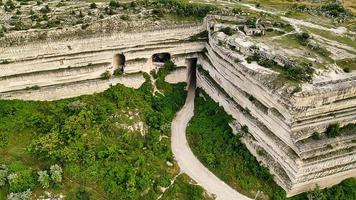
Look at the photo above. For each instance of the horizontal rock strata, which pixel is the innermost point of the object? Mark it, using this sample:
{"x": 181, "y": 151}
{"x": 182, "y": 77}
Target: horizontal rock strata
{"x": 281, "y": 126}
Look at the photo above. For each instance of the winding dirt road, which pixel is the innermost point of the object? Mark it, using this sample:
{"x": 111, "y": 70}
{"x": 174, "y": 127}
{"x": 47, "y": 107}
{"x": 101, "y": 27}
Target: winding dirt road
{"x": 189, "y": 164}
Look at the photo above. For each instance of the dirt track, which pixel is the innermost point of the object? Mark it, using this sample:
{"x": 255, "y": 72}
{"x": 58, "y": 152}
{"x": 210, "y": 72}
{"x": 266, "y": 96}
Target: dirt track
{"x": 189, "y": 164}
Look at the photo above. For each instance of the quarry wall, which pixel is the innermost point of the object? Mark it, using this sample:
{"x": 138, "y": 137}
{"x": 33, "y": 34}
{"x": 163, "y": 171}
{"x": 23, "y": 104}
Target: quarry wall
{"x": 80, "y": 63}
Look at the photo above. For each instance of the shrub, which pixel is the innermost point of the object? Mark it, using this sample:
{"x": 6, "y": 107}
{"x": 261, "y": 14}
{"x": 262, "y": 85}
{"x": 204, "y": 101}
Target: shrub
{"x": 118, "y": 72}
{"x": 109, "y": 11}
{"x": 114, "y": 4}
{"x": 297, "y": 89}
{"x": 3, "y": 175}
{"x": 84, "y": 26}
{"x": 9, "y": 5}
{"x": 228, "y": 30}
{"x": 93, "y": 6}
{"x": 45, "y": 9}
{"x": 60, "y": 4}
{"x": 334, "y": 9}
{"x": 3, "y": 139}
{"x": 124, "y": 17}
{"x": 315, "y": 136}
{"x": 74, "y": 107}
{"x": 81, "y": 194}
{"x": 333, "y": 130}
{"x": 105, "y": 76}
{"x": 56, "y": 173}
{"x": 303, "y": 38}
{"x": 25, "y": 195}
{"x": 20, "y": 181}
{"x": 347, "y": 70}
{"x": 43, "y": 179}
{"x": 81, "y": 15}
{"x": 202, "y": 35}
{"x": 245, "y": 129}
{"x": 35, "y": 87}
{"x": 183, "y": 8}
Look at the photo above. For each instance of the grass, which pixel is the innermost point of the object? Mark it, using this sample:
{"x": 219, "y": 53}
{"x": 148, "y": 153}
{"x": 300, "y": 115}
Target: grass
{"x": 289, "y": 42}
{"x": 182, "y": 183}
{"x": 347, "y": 63}
{"x": 2, "y": 194}
{"x": 331, "y": 36}
{"x": 213, "y": 142}
{"x": 298, "y": 15}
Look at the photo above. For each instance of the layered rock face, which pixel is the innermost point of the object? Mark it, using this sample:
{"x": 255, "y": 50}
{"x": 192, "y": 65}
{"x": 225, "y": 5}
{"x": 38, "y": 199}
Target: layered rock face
{"x": 281, "y": 124}
{"x": 71, "y": 67}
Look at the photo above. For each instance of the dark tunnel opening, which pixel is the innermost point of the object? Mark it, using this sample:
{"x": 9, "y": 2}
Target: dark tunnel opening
{"x": 161, "y": 57}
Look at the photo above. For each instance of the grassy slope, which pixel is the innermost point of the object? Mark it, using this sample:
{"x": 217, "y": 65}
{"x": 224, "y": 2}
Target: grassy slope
{"x": 212, "y": 141}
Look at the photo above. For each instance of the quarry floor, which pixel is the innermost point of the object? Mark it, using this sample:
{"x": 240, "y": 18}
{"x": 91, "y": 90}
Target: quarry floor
{"x": 190, "y": 164}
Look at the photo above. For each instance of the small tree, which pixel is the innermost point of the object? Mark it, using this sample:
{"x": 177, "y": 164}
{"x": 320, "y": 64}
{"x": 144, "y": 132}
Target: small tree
{"x": 43, "y": 179}
{"x": 93, "y": 6}
{"x": 4, "y": 139}
{"x": 3, "y": 175}
{"x": 45, "y": 9}
{"x": 333, "y": 130}
{"x": 26, "y": 195}
{"x": 106, "y": 75}
{"x": 56, "y": 173}
{"x": 228, "y": 30}
{"x": 21, "y": 181}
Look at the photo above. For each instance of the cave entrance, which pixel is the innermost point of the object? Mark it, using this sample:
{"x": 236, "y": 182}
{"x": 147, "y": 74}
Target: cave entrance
{"x": 192, "y": 71}
{"x": 119, "y": 61}
{"x": 161, "y": 57}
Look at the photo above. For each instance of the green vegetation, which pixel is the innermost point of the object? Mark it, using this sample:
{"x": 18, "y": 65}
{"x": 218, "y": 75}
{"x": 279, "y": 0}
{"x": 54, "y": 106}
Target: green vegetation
{"x": 228, "y": 30}
{"x": 106, "y": 75}
{"x": 288, "y": 42}
{"x": 161, "y": 84}
{"x": 182, "y": 8}
{"x": 347, "y": 64}
{"x": 118, "y": 72}
{"x": 200, "y": 36}
{"x": 343, "y": 191}
{"x": 303, "y": 39}
{"x": 35, "y": 87}
{"x": 182, "y": 189}
{"x": 298, "y": 73}
{"x": 91, "y": 139}
{"x": 213, "y": 142}
{"x": 93, "y": 5}
{"x": 335, "y": 130}
{"x": 331, "y": 36}
{"x": 334, "y": 9}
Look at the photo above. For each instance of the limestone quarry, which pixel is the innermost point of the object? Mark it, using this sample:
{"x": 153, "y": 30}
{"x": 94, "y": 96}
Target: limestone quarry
{"x": 287, "y": 118}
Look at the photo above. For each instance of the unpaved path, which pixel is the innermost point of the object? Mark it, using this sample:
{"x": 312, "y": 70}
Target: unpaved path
{"x": 189, "y": 164}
